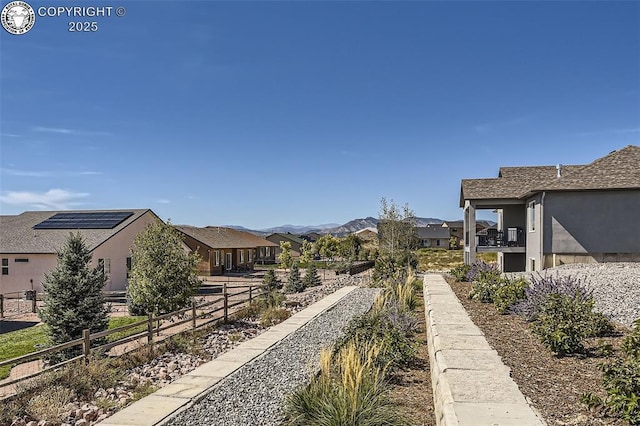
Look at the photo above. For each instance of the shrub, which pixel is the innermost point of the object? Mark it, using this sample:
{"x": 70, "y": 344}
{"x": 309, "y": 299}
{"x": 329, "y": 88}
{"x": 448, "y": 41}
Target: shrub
{"x": 509, "y": 293}
{"x": 403, "y": 294}
{"x": 460, "y": 272}
{"x": 349, "y": 390}
{"x": 621, "y": 380}
{"x": 50, "y": 404}
{"x": 564, "y": 321}
{"x": 294, "y": 283}
{"x": 273, "y": 316}
{"x": 484, "y": 289}
{"x": 542, "y": 287}
{"x": 481, "y": 270}
{"x": 397, "y": 348}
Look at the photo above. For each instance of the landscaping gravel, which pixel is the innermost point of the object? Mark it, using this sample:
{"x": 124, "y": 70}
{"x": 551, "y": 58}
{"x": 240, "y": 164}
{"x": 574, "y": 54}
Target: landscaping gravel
{"x": 255, "y": 394}
{"x": 616, "y": 287}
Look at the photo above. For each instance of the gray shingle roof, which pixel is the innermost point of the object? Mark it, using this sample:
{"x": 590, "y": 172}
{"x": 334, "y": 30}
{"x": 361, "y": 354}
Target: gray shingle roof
{"x": 281, "y": 236}
{"x": 618, "y": 170}
{"x": 18, "y": 236}
{"x": 218, "y": 237}
{"x": 425, "y": 232}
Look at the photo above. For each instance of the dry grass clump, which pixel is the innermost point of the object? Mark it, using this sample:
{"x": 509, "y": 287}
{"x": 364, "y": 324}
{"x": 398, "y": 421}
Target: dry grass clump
{"x": 351, "y": 389}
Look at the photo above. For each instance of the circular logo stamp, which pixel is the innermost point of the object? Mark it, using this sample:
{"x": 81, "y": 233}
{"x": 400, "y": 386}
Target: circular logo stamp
{"x": 18, "y": 17}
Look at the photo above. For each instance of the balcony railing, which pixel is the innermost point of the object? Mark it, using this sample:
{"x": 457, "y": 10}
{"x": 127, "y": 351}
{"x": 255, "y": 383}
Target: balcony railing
{"x": 514, "y": 237}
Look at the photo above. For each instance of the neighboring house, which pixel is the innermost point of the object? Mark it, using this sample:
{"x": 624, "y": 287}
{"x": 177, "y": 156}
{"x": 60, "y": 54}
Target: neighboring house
{"x": 29, "y": 243}
{"x": 550, "y": 215}
{"x": 312, "y": 237}
{"x": 367, "y": 234}
{"x": 433, "y": 236}
{"x": 456, "y": 229}
{"x": 226, "y": 249}
{"x": 296, "y": 242}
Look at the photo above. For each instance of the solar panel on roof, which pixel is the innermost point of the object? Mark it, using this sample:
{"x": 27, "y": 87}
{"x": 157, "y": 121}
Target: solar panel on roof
{"x": 87, "y": 220}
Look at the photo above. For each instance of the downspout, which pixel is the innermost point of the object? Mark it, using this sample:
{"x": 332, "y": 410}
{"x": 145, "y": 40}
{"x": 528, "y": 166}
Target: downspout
{"x": 542, "y": 259}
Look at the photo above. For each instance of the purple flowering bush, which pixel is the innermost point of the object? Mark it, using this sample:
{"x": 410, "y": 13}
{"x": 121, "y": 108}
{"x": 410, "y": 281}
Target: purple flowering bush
{"x": 561, "y": 312}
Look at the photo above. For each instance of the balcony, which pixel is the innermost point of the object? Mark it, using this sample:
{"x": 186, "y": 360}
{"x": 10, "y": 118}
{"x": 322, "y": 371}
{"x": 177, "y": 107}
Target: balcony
{"x": 492, "y": 240}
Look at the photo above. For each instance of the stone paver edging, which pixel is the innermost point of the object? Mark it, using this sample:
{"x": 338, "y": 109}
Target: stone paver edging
{"x": 192, "y": 387}
{"x": 471, "y": 385}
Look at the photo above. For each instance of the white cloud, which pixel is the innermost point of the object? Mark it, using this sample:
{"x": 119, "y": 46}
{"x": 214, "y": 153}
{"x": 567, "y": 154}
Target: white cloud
{"x": 47, "y": 174}
{"x": 54, "y": 199}
{"x": 66, "y": 131}
{"x": 163, "y": 201}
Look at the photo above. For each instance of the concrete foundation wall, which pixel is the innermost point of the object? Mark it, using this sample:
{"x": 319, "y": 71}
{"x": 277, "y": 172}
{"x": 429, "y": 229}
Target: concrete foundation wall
{"x": 563, "y": 259}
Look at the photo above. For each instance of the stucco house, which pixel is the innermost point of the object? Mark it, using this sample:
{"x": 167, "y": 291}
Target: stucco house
{"x": 296, "y": 242}
{"x": 29, "y": 243}
{"x": 367, "y": 234}
{"x": 550, "y": 215}
{"x": 436, "y": 236}
{"x": 225, "y": 249}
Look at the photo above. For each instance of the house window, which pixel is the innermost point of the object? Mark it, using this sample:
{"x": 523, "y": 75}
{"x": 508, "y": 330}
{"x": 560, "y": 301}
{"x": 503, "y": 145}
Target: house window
{"x": 5, "y": 266}
{"x": 267, "y": 251}
{"x": 438, "y": 243}
{"x": 21, "y": 260}
{"x": 105, "y": 264}
{"x": 249, "y": 257}
{"x": 240, "y": 256}
{"x": 532, "y": 216}
{"x": 216, "y": 255}
{"x": 128, "y": 267}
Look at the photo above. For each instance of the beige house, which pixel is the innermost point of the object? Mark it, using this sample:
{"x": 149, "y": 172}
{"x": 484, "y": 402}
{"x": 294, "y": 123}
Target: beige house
{"x": 550, "y": 215}
{"x": 29, "y": 243}
{"x": 367, "y": 234}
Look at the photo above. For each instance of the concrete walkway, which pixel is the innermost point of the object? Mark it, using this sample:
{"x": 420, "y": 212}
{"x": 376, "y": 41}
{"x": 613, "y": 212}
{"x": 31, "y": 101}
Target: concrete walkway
{"x": 192, "y": 387}
{"x": 471, "y": 385}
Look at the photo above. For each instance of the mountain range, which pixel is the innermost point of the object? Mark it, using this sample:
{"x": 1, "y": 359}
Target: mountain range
{"x": 331, "y": 228}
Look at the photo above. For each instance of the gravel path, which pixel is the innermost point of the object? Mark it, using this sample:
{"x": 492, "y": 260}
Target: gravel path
{"x": 616, "y": 287}
{"x": 255, "y": 394}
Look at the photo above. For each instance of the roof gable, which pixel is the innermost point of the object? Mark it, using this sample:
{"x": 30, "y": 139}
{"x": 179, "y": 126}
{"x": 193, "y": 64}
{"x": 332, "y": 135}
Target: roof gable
{"x": 17, "y": 233}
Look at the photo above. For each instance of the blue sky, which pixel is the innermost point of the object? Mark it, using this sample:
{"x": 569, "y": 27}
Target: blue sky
{"x": 265, "y": 113}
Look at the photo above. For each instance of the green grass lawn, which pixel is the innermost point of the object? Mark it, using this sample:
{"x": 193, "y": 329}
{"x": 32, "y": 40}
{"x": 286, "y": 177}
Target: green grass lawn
{"x": 430, "y": 259}
{"x": 27, "y": 340}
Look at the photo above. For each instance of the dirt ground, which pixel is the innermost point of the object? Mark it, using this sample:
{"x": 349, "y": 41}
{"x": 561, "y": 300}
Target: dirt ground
{"x": 553, "y": 384}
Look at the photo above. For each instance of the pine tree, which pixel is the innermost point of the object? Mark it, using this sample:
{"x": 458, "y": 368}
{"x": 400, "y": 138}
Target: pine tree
{"x": 271, "y": 282}
{"x": 74, "y": 299}
{"x": 312, "y": 279}
{"x": 294, "y": 283}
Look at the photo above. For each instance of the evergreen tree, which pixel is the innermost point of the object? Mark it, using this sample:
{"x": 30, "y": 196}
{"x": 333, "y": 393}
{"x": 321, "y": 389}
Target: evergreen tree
{"x": 74, "y": 299}
{"x": 271, "y": 281}
{"x": 294, "y": 283}
{"x": 312, "y": 279}
{"x": 163, "y": 275}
